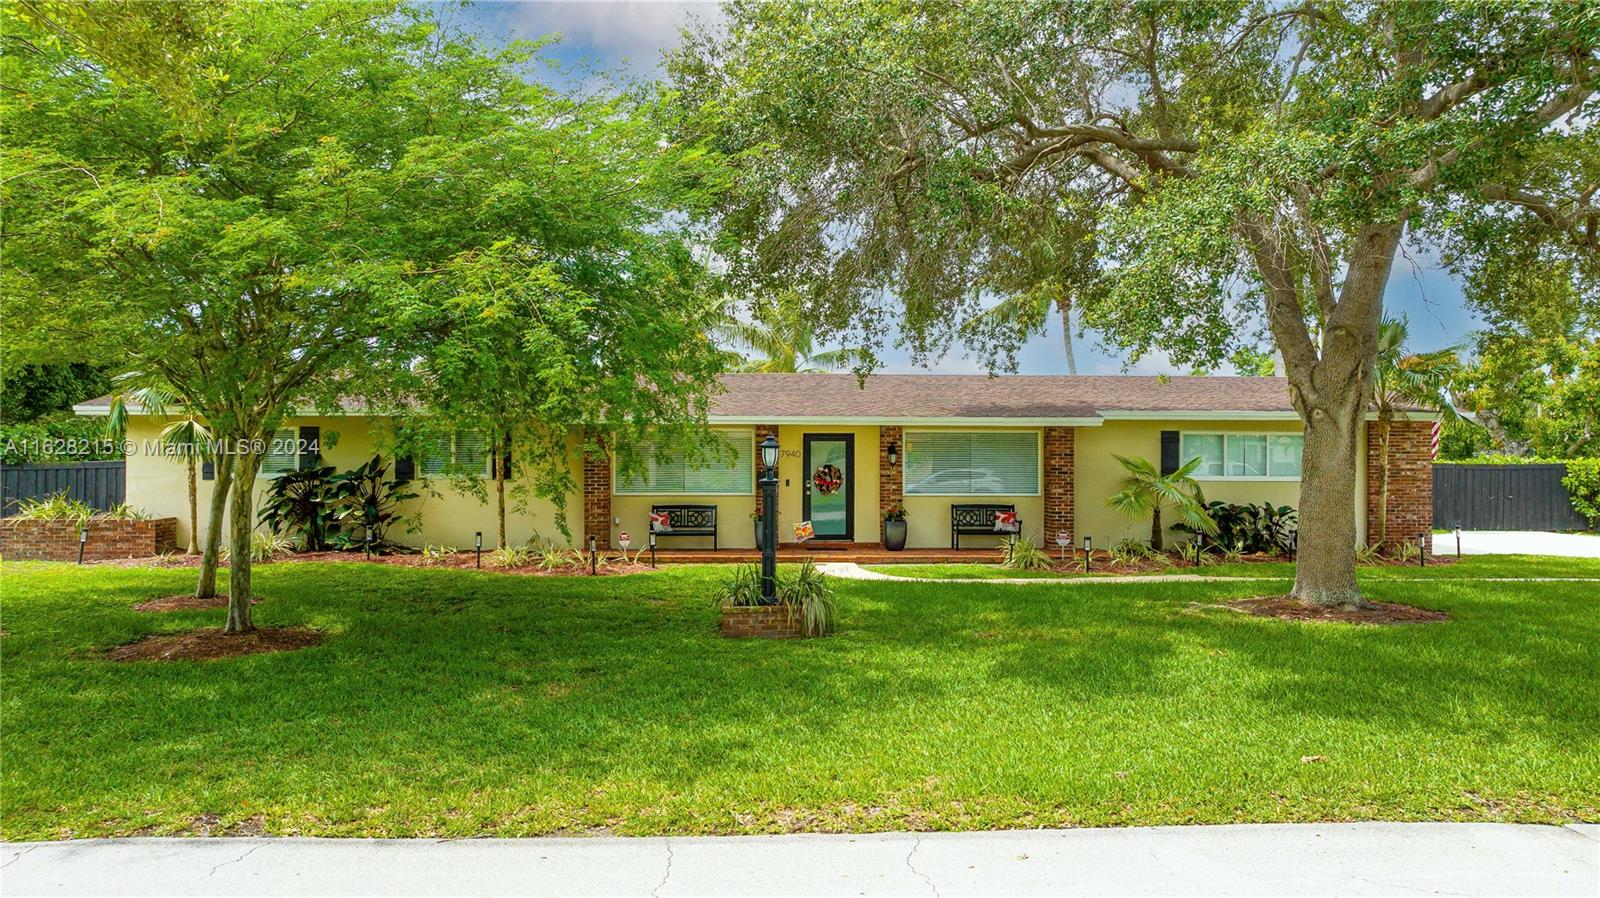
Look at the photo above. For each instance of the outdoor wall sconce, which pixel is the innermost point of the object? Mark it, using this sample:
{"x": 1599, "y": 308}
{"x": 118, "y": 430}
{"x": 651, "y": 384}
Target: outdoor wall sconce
{"x": 893, "y": 454}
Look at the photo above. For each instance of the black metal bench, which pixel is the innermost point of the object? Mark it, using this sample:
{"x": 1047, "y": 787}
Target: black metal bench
{"x": 688, "y": 520}
{"x": 977, "y": 520}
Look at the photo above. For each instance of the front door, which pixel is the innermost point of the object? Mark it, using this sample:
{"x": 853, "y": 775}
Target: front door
{"x": 830, "y": 486}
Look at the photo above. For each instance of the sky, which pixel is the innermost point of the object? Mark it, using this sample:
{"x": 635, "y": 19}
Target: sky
{"x": 628, "y": 36}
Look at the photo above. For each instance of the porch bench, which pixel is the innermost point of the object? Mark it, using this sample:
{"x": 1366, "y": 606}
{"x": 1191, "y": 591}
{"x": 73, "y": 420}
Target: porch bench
{"x": 687, "y": 520}
{"x": 977, "y": 520}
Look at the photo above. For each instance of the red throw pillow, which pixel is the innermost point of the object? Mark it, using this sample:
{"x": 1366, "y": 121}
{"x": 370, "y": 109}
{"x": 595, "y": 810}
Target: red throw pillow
{"x": 1006, "y": 522}
{"x": 660, "y": 521}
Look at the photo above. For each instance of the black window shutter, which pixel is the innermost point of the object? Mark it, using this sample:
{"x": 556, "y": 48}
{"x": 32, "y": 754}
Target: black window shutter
{"x": 1169, "y": 452}
{"x": 405, "y": 468}
{"x": 310, "y": 447}
{"x": 208, "y": 469}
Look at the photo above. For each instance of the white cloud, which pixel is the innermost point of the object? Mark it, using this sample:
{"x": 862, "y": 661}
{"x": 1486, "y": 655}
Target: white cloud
{"x": 632, "y": 30}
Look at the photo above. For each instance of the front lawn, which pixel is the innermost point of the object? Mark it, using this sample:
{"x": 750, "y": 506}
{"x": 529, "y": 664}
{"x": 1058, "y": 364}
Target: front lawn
{"x": 454, "y": 703}
{"x": 1451, "y": 567}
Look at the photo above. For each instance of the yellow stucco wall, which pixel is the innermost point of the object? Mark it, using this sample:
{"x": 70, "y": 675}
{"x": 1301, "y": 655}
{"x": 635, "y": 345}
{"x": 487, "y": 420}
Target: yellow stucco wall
{"x": 1099, "y": 475}
{"x": 159, "y": 485}
{"x": 734, "y": 530}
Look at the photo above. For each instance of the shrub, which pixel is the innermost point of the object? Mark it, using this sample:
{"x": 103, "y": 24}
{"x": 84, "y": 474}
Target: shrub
{"x": 806, "y": 593}
{"x": 265, "y": 546}
{"x": 299, "y": 502}
{"x": 1132, "y": 551}
{"x": 1265, "y": 528}
{"x": 1583, "y": 483}
{"x": 365, "y": 502}
{"x": 512, "y": 556}
{"x": 1022, "y": 555}
{"x": 436, "y": 555}
{"x": 896, "y": 512}
{"x": 54, "y": 507}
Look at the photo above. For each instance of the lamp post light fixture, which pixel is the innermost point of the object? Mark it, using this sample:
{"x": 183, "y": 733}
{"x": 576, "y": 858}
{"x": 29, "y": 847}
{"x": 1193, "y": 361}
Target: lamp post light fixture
{"x": 478, "y": 546}
{"x": 652, "y": 548}
{"x": 769, "y": 520}
{"x": 594, "y": 566}
{"x": 83, "y": 542}
{"x": 1422, "y": 550}
{"x": 1088, "y": 550}
{"x": 1458, "y": 541}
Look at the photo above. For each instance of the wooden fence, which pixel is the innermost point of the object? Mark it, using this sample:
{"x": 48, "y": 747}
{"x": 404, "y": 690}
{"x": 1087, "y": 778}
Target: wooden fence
{"x": 102, "y": 484}
{"x": 1503, "y": 497}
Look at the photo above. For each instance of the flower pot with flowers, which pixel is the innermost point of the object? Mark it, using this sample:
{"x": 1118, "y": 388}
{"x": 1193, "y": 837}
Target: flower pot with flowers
{"x": 894, "y": 528}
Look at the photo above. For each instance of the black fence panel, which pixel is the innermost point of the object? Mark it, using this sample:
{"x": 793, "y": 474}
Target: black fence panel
{"x": 102, "y": 484}
{"x": 1503, "y": 497}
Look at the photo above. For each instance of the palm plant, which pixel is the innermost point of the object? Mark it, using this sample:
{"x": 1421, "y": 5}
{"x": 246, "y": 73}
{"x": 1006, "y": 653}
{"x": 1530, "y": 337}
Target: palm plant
{"x": 1401, "y": 379}
{"x": 188, "y": 437}
{"x": 1145, "y": 491}
{"x": 785, "y": 338}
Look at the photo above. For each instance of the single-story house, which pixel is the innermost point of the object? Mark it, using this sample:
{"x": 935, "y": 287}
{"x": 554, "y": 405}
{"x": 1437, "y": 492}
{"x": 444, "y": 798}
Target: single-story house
{"x": 1044, "y": 444}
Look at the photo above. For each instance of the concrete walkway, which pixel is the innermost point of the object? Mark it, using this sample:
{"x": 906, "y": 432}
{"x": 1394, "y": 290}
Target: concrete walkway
{"x": 1520, "y": 542}
{"x": 1284, "y": 859}
{"x": 849, "y": 570}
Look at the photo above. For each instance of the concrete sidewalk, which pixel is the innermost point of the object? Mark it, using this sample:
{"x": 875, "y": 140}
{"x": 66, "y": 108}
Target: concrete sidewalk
{"x": 1282, "y": 859}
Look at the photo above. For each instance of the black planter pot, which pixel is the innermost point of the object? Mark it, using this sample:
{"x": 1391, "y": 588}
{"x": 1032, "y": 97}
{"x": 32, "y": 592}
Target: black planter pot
{"x": 894, "y": 535}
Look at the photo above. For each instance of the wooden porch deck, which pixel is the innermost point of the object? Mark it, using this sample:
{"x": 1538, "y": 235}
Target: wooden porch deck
{"x": 860, "y": 553}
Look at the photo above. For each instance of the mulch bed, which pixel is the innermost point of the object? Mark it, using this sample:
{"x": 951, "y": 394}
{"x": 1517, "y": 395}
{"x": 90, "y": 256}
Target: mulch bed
{"x": 1290, "y": 608}
{"x": 211, "y": 643}
{"x": 187, "y": 603}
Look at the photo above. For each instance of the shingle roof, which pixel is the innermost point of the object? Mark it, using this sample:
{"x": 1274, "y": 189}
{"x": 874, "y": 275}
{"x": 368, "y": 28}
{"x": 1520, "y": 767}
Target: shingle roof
{"x": 980, "y": 396}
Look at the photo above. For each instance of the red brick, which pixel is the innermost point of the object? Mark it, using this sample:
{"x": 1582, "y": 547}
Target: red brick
{"x": 1410, "y": 482}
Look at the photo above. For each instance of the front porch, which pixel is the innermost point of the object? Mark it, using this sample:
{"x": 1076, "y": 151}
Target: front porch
{"x": 860, "y": 553}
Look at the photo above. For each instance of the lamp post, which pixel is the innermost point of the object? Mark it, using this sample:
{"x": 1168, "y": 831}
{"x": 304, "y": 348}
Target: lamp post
{"x": 477, "y": 546}
{"x": 769, "y": 520}
{"x": 83, "y": 542}
{"x": 1088, "y": 550}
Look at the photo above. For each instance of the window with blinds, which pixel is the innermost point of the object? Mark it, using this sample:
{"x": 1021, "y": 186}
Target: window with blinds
{"x": 282, "y": 453}
{"x": 462, "y": 452}
{"x": 1245, "y": 456}
{"x": 972, "y": 463}
{"x": 670, "y": 473}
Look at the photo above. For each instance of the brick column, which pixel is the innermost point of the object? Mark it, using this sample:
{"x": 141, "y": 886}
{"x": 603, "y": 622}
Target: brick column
{"x": 597, "y": 498}
{"x": 1059, "y": 491}
{"x": 1410, "y": 481}
{"x": 762, "y": 432}
{"x": 891, "y": 478}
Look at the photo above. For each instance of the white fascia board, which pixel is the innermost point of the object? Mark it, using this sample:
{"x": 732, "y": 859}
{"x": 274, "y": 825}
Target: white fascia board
{"x": 904, "y": 422}
{"x": 1115, "y": 415}
{"x": 99, "y": 411}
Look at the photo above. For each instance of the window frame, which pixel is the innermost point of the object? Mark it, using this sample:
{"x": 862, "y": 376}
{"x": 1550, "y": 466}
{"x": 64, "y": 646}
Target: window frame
{"x": 907, "y": 442}
{"x": 727, "y": 433}
{"x": 1183, "y": 459}
{"x": 272, "y": 439}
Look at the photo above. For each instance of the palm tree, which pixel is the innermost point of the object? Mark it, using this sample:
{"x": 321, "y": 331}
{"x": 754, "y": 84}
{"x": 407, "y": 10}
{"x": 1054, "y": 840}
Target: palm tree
{"x": 1146, "y": 490}
{"x": 786, "y": 339}
{"x": 187, "y": 437}
{"x": 1025, "y": 313}
{"x": 1419, "y": 380}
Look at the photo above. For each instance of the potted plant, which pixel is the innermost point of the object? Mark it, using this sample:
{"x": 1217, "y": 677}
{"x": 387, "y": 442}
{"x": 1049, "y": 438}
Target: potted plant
{"x": 894, "y": 528}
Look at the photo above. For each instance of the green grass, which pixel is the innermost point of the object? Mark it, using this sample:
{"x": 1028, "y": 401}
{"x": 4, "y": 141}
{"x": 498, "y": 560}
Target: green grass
{"x": 1468, "y": 566}
{"x": 449, "y": 703}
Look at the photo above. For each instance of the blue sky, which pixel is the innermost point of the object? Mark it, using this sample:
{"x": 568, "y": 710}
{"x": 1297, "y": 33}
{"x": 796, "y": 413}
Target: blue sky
{"x": 628, "y": 37}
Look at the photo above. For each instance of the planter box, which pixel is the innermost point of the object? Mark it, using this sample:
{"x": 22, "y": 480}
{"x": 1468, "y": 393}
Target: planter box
{"x": 58, "y": 540}
{"x": 759, "y": 622}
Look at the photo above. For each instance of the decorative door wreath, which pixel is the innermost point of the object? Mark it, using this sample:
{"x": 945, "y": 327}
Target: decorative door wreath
{"x": 828, "y": 479}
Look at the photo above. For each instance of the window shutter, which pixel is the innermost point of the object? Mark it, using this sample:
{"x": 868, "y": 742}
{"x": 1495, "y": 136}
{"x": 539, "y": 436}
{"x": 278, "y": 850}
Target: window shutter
{"x": 208, "y": 470}
{"x": 1169, "y": 452}
{"x": 310, "y": 447}
{"x": 405, "y": 468}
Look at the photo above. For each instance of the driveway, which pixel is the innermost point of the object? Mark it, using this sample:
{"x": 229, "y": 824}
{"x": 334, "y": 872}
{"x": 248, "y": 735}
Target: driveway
{"x": 1519, "y": 542}
{"x": 1276, "y": 859}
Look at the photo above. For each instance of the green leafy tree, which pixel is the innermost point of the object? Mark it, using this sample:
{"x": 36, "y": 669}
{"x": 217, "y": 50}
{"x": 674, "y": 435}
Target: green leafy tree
{"x": 1403, "y": 380}
{"x": 1251, "y": 166}
{"x": 1145, "y": 491}
{"x": 277, "y": 245}
{"x": 187, "y": 438}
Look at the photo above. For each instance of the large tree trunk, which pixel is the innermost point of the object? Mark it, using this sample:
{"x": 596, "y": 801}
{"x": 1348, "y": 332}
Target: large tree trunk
{"x": 1065, "y": 307}
{"x": 240, "y": 529}
{"x": 194, "y": 509}
{"x": 1329, "y": 385}
{"x": 206, "y": 588}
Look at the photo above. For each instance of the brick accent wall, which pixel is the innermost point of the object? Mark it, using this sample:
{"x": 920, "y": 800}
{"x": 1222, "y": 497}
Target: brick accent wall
{"x": 891, "y": 478}
{"x": 1060, "y": 497}
{"x": 58, "y": 540}
{"x": 760, "y": 622}
{"x": 1410, "y": 481}
{"x": 762, "y": 432}
{"x": 597, "y": 499}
